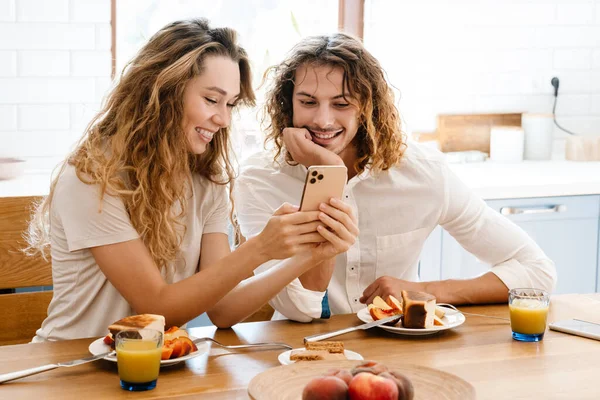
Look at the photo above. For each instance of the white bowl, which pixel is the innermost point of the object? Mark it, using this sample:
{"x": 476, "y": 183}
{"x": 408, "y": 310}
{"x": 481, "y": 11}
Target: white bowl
{"x": 11, "y": 168}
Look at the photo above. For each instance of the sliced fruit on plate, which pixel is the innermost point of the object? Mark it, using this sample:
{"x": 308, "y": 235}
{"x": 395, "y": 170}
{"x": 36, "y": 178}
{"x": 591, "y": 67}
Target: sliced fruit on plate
{"x": 109, "y": 341}
{"x": 181, "y": 346}
{"x": 394, "y": 303}
{"x": 166, "y": 353}
{"x": 377, "y": 313}
{"x": 437, "y": 321}
{"x": 440, "y": 312}
{"x": 380, "y": 303}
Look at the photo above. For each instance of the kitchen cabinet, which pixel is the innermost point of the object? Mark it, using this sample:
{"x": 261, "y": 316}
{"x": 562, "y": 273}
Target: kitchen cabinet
{"x": 566, "y": 228}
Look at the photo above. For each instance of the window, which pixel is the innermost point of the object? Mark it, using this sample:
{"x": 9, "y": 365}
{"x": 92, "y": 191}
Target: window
{"x": 267, "y": 28}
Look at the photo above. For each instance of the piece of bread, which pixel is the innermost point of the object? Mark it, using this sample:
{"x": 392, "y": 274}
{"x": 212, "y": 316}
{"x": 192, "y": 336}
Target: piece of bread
{"x": 331, "y": 347}
{"x": 315, "y": 355}
{"x": 141, "y": 321}
{"x": 419, "y": 309}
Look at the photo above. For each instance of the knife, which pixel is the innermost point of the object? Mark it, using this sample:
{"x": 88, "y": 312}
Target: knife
{"x": 323, "y": 336}
{"x": 11, "y": 376}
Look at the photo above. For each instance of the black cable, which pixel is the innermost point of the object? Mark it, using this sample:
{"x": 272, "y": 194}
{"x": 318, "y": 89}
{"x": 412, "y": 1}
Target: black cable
{"x": 555, "y": 84}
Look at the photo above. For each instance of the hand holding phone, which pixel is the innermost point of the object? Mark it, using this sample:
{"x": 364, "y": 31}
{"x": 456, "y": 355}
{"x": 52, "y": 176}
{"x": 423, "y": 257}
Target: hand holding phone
{"x": 322, "y": 183}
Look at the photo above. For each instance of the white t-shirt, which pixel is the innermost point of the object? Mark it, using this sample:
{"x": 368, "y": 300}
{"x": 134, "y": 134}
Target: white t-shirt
{"x": 85, "y": 303}
{"x": 397, "y": 209}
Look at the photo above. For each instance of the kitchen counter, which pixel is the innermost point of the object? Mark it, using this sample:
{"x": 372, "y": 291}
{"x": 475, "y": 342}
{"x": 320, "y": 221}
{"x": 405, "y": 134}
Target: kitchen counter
{"x": 492, "y": 180}
{"x": 488, "y": 179}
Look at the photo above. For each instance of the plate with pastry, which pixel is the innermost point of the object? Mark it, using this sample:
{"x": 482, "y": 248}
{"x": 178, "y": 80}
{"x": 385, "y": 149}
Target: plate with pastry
{"x": 421, "y": 315}
{"x": 318, "y": 351}
{"x": 178, "y": 346}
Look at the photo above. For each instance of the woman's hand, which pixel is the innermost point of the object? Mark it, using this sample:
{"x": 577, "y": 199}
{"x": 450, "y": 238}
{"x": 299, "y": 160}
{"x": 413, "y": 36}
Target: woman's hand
{"x": 289, "y": 232}
{"x": 339, "y": 227}
{"x": 304, "y": 151}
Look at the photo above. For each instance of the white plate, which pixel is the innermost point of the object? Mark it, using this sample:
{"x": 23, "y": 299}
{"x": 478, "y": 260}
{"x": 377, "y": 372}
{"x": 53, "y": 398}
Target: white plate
{"x": 98, "y": 347}
{"x": 452, "y": 319}
{"x": 284, "y": 358}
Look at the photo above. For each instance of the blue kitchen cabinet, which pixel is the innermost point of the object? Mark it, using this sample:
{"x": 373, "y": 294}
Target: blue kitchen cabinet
{"x": 566, "y": 228}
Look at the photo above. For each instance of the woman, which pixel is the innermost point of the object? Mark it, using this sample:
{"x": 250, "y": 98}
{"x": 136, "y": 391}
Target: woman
{"x": 138, "y": 215}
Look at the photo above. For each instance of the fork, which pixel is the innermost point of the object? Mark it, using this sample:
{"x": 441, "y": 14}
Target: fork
{"x": 472, "y": 314}
{"x": 242, "y": 346}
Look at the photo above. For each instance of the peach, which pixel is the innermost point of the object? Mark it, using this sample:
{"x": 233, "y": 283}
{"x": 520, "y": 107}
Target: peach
{"x": 380, "y": 303}
{"x": 367, "y": 363}
{"x": 378, "y": 313}
{"x": 373, "y": 368}
{"x": 366, "y": 386}
{"x": 166, "y": 353}
{"x": 325, "y": 388}
{"x": 394, "y": 303}
{"x": 343, "y": 374}
{"x": 406, "y": 391}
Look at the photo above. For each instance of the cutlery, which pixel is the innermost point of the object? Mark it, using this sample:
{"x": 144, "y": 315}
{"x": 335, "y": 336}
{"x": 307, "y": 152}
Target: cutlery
{"x": 322, "y": 336}
{"x": 36, "y": 370}
{"x": 242, "y": 346}
{"x": 472, "y": 314}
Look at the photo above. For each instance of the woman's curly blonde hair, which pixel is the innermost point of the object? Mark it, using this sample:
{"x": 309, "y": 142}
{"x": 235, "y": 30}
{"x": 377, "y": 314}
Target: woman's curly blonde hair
{"x": 379, "y": 140}
{"x": 135, "y": 147}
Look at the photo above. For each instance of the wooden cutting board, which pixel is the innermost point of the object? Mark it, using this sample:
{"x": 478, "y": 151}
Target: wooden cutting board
{"x": 288, "y": 381}
{"x": 463, "y": 132}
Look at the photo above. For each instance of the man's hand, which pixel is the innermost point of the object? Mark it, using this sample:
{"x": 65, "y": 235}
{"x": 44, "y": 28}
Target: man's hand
{"x": 386, "y": 285}
{"x": 304, "y": 151}
{"x": 339, "y": 227}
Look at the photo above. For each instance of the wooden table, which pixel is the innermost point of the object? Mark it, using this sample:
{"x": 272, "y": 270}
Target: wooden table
{"x": 481, "y": 351}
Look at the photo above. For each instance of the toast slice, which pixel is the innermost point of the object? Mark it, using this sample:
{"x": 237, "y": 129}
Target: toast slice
{"x": 315, "y": 355}
{"x": 141, "y": 321}
{"x": 331, "y": 347}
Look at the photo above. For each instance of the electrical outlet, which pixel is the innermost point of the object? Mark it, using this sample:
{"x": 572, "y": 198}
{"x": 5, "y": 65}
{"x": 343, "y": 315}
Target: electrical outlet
{"x": 555, "y": 83}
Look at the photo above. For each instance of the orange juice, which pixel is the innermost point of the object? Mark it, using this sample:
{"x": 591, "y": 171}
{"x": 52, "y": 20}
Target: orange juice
{"x": 138, "y": 360}
{"x": 528, "y": 316}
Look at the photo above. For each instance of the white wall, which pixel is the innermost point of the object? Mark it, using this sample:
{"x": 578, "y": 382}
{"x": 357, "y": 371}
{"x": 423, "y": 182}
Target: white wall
{"x": 451, "y": 56}
{"x": 483, "y": 56}
{"x": 55, "y": 66}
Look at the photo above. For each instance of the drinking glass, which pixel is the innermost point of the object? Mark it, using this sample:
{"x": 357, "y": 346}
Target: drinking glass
{"x": 528, "y": 313}
{"x": 138, "y": 358}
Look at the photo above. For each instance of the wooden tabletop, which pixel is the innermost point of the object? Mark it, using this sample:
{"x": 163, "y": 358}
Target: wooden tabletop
{"x": 481, "y": 351}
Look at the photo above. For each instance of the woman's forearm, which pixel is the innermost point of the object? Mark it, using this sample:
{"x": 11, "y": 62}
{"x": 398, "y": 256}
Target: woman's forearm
{"x": 254, "y": 292}
{"x": 205, "y": 288}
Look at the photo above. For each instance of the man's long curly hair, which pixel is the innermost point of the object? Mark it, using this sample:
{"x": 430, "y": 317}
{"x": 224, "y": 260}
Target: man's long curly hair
{"x": 136, "y": 148}
{"x": 379, "y": 140}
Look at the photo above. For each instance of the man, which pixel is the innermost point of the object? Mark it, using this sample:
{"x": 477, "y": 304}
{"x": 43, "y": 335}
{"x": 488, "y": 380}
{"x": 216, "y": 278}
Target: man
{"x": 330, "y": 104}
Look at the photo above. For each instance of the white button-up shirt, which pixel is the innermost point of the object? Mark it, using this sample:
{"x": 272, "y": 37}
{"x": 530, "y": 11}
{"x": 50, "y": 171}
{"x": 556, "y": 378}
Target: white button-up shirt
{"x": 397, "y": 209}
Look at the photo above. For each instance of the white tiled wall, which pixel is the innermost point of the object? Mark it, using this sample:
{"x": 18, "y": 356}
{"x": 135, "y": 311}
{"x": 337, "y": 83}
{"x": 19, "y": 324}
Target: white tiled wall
{"x": 55, "y": 66}
{"x": 480, "y": 56}
{"x": 445, "y": 56}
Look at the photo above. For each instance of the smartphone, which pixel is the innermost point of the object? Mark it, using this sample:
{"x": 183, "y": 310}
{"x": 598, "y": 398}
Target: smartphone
{"x": 577, "y": 327}
{"x": 322, "y": 183}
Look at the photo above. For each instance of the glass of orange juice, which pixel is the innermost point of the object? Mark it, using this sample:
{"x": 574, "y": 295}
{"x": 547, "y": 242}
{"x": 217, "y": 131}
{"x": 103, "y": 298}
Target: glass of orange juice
{"x": 528, "y": 313}
{"x": 138, "y": 358}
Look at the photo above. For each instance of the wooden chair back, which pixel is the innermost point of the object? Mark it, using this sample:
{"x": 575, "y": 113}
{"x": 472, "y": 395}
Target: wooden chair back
{"x": 21, "y": 313}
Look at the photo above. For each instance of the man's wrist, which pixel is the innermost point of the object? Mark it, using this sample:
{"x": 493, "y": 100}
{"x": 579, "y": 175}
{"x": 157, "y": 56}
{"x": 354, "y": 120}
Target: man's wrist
{"x": 318, "y": 276}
